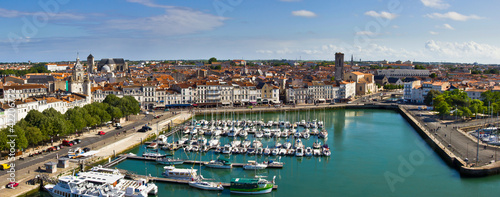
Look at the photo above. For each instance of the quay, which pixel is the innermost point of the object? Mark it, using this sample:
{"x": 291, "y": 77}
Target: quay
{"x": 123, "y": 157}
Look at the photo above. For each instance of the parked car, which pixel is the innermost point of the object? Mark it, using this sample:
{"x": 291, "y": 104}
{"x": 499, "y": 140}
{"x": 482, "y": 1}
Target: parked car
{"x": 142, "y": 130}
{"x": 4, "y": 166}
{"x": 101, "y": 133}
{"x": 78, "y": 140}
{"x": 118, "y": 127}
{"x": 67, "y": 143}
{"x": 147, "y": 128}
{"x": 86, "y": 149}
{"x": 74, "y": 142}
{"x": 11, "y": 185}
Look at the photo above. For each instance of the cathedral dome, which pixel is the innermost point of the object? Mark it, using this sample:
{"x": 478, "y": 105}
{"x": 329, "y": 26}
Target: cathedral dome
{"x": 105, "y": 69}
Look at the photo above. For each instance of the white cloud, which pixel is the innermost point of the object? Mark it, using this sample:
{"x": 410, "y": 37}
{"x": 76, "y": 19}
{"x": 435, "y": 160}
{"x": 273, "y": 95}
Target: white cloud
{"x": 382, "y": 14}
{"x": 445, "y": 26}
{"x": 176, "y": 21}
{"x": 367, "y": 33}
{"x": 52, "y": 15}
{"x": 438, "y": 4}
{"x": 304, "y": 13}
{"x": 395, "y": 26}
{"x": 466, "y": 51}
{"x": 433, "y": 33}
{"x": 149, "y": 3}
{"x": 453, "y": 16}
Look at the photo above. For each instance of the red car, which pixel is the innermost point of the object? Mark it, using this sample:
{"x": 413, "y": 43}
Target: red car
{"x": 12, "y": 185}
{"x": 101, "y": 133}
{"x": 67, "y": 143}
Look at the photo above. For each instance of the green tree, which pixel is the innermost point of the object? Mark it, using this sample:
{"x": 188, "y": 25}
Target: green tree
{"x": 443, "y": 108}
{"x": 430, "y": 96}
{"x": 212, "y": 60}
{"x": 433, "y": 75}
{"x": 34, "y": 136}
{"x": 115, "y": 112}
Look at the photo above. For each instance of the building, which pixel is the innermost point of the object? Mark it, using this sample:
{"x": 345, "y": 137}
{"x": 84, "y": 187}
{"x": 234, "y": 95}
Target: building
{"x": 55, "y": 67}
{"x": 400, "y": 73}
{"x": 20, "y": 92}
{"x": 415, "y": 93}
{"x": 365, "y": 83}
{"x": 91, "y": 69}
{"x": 339, "y": 66}
{"x": 112, "y": 64}
{"x": 79, "y": 82}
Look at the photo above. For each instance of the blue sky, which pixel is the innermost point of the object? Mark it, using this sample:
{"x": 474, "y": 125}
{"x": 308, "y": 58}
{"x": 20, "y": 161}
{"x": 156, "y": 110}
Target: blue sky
{"x": 420, "y": 30}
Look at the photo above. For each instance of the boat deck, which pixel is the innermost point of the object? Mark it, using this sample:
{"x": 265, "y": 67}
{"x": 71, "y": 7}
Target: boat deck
{"x": 179, "y": 181}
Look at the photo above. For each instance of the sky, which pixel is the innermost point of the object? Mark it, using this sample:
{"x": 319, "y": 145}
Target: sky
{"x": 370, "y": 30}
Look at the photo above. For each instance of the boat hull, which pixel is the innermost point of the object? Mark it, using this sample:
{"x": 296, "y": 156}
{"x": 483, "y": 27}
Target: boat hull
{"x": 255, "y": 191}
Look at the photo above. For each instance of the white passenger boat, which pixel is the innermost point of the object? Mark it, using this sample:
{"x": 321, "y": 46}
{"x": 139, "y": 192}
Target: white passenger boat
{"x": 107, "y": 183}
{"x": 204, "y": 185}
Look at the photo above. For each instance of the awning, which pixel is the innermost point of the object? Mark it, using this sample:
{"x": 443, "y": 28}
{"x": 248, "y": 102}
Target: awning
{"x": 253, "y": 102}
{"x": 276, "y": 102}
{"x": 321, "y": 99}
{"x": 245, "y": 100}
{"x": 226, "y": 103}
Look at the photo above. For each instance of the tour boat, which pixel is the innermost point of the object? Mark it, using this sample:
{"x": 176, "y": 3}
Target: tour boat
{"x": 221, "y": 163}
{"x": 251, "y": 185}
{"x": 95, "y": 183}
{"x": 153, "y": 155}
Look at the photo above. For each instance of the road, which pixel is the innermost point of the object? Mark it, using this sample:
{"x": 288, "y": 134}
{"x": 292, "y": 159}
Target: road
{"x": 91, "y": 142}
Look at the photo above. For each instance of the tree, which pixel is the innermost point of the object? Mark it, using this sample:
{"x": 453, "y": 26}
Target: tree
{"x": 443, "y": 109}
{"x": 433, "y": 75}
{"x": 34, "y": 136}
{"x": 115, "y": 112}
{"x": 212, "y": 60}
{"x": 430, "y": 96}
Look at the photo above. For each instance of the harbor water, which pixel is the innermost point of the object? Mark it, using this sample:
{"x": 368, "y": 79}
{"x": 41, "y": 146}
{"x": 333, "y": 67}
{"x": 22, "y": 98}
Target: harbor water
{"x": 374, "y": 153}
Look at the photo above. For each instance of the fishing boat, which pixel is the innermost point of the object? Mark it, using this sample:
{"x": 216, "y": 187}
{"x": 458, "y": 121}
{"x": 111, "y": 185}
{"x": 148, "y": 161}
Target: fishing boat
{"x": 253, "y": 165}
{"x": 256, "y": 185}
{"x": 152, "y": 145}
{"x": 169, "y": 161}
{"x": 221, "y": 163}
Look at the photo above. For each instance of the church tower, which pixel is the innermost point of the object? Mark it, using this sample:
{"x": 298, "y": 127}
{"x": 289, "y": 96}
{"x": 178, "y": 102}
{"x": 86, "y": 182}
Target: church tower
{"x": 90, "y": 64}
{"x": 77, "y": 78}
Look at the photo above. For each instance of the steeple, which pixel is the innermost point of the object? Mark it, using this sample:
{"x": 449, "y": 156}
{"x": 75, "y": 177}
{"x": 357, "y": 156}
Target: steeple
{"x": 352, "y": 60}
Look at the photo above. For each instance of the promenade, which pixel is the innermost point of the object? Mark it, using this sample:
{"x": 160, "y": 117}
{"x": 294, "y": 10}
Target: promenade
{"x": 113, "y": 144}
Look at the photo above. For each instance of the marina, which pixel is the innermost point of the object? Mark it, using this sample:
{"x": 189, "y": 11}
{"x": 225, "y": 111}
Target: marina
{"x": 365, "y": 145}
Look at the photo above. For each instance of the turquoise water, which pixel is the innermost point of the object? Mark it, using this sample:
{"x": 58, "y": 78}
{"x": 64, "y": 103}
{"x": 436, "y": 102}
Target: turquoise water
{"x": 374, "y": 153}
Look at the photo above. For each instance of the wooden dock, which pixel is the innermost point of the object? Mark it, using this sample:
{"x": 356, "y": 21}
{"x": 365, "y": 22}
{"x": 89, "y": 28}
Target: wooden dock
{"x": 188, "y": 161}
{"x": 179, "y": 181}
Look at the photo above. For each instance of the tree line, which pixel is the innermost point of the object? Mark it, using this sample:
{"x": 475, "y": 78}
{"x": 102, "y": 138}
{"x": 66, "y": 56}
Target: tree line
{"x": 37, "y": 68}
{"x": 459, "y": 104}
{"x": 41, "y": 127}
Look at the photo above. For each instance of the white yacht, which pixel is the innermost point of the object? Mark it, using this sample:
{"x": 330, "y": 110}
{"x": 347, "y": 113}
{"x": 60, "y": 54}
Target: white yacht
{"x": 90, "y": 184}
{"x": 184, "y": 174}
{"x": 253, "y": 165}
{"x": 227, "y": 149}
